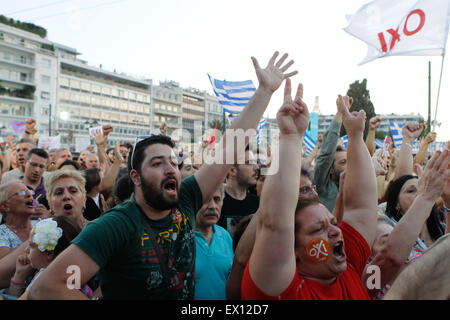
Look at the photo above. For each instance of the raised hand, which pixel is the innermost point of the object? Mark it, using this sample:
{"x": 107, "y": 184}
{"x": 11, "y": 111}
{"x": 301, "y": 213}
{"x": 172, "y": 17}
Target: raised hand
{"x": 293, "y": 116}
{"x": 354, "y": 122}
{"x": 99, "y": 138}
{"x": 273, "y": 75}
{"x": 163, "y": 128}
{"x": 30, "y": 125}
{"x": 431, "y": 137}
{"x": 107, "y": 129}
{"x": 435, "y": 176}
{"x": 412, "y": 130}
{"x": 374, "y": 122}
{"x": 117, "y": 155}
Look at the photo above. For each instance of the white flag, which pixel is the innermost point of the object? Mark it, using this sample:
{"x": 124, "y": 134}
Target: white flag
{"x": 401, "y": 27}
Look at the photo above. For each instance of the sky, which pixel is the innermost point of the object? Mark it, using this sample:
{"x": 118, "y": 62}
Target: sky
{"x": 184, "y": 40}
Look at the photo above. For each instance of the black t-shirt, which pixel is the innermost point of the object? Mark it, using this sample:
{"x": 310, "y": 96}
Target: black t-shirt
{"x": 234, "y": 210}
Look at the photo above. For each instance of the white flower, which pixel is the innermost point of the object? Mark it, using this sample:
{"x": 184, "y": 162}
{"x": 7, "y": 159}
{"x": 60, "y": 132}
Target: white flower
{"x": 47, "y": 234}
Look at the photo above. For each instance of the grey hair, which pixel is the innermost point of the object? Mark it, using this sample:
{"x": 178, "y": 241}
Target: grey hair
{"x": 4, "y": 189}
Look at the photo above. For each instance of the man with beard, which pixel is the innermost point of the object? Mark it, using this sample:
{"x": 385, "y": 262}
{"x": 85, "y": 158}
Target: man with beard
{"x": 239, "y": 201}
{"x": 145, "y": 247}
{"x": 214, "y": 251}
{"x": 330, "y": 163}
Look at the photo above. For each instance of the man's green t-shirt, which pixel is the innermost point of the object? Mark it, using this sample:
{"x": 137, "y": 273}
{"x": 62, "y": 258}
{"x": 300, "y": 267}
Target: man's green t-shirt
{"x": 129, "y": 266}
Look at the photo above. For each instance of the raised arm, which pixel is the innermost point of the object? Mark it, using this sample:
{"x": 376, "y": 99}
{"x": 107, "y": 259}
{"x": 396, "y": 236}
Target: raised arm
{"x": 273, "y": 253}
{"x": 401, "y": 240}
{"x": 421, "y": 155}
{"x": 324, "y": 161}
{"x": 313, "y": 155}
{"x": 108, "y": 181}
{"x": 410, "y": 132}
{"x": 426, "y": 277}
{"x": 210, "y": 176}
{"x": 360, "y": 190}
{"x": 370, "y": 139}
{"x": 100, "y": 140}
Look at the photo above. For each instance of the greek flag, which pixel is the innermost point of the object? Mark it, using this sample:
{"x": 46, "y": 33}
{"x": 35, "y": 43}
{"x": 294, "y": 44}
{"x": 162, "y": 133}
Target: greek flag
{"x": 309, "y": 143}
{"x": 261, "y": 125}
{"x": 233, "y": 95}
{"x": 344, "y": 140}
{"x": 379, "y": 143}
{"x": 396, "y": 130}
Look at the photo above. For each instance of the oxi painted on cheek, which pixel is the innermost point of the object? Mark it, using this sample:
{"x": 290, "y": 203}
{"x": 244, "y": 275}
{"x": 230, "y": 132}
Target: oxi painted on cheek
{"x": 318, "y": 250}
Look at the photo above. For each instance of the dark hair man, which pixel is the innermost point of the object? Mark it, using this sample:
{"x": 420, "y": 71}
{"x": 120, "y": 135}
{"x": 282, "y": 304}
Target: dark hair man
{"x": 37, "y": 162}
{"x": 23, "y": 147}
{"x": 144, "y": 248}
{"x": 239, "y": 201}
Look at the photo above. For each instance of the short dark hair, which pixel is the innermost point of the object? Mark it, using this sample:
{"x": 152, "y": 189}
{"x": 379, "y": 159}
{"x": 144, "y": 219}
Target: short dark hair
{"x": 303, "y": 203}
{"x": 92, "y": 177}
{"x": 69, "y": 232}
{"x": 70, "y": 163}
{"x": 109, "y": 149}
{"x": 123, "y": 188}
{"x": 340, "y": 149}
{"x": 137, "y": 154}
{"x": 27, "y": 140}
{"x": 305, "y": 173}
{"x": 39, "y": 152}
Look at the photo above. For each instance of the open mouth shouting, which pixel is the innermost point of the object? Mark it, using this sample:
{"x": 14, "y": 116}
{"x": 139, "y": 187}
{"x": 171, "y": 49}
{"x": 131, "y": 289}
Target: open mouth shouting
{"x": 338, "y": 251}
{"x": 68, "y": 208}
{"x": 170, "y": 187}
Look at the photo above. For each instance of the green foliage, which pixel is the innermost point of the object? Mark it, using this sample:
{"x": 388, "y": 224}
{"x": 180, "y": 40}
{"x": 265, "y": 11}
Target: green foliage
{"x": 380, "y": 135}
{"x": 361, "y": 101}
{"x": 30, "y": 27}
{"x": 212, "y": 125}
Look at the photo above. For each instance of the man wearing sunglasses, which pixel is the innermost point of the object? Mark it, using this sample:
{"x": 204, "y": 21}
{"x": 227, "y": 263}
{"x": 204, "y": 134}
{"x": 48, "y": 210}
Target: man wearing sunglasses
{"x": 145, "y": 248}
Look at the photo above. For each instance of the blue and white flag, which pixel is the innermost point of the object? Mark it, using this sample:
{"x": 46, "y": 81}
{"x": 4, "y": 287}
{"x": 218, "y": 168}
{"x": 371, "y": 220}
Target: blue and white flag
{"x": 261, "y": 125}
{"x": 344, "y": 140}
{"x": 233, "y": 95}
{"x": 415, "y": 147}
{"x": 379, "y": 143}
{"x": 396, "y": 131}
{"x": 309, "y": 143}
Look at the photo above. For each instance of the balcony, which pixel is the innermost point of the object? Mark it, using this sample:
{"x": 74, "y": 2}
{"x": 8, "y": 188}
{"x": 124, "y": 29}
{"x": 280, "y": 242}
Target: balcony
{"x": 27, "y": 93}
{"x": 17, "y": 61}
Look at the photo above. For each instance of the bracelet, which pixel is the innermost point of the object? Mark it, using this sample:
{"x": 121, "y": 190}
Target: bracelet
{"x": 4, "y": 152}
{"x": 17, "y": 283}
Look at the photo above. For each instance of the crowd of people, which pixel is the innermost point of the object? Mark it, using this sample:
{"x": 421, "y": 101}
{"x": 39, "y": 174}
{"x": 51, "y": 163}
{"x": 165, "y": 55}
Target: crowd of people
{"x": 152, "y": 220}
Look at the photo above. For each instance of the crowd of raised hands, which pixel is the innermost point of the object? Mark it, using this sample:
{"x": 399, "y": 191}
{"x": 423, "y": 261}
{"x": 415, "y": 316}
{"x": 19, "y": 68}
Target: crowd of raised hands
{"x": 375, "y": 224}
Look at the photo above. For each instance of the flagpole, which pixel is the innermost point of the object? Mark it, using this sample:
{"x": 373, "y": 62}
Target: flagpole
{"x": 439, "y": 90}
{"x": 429, "y": 98}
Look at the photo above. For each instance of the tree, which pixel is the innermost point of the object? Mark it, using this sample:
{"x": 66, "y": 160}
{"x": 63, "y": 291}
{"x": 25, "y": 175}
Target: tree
{"x": 361, "y": 101}
{"x": 212, "y": 125}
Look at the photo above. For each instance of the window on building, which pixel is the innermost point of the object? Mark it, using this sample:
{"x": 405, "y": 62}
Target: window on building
{"x": 46, "y": 63}
{"x": 45, "y": 95}
{"x": 45, "y": 79}
{"x": 64, "y": 82}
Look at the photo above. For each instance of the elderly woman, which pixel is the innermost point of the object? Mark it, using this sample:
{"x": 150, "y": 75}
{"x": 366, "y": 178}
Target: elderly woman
{"x": 66, "y": 195}
{"x": 16, "y": 205}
